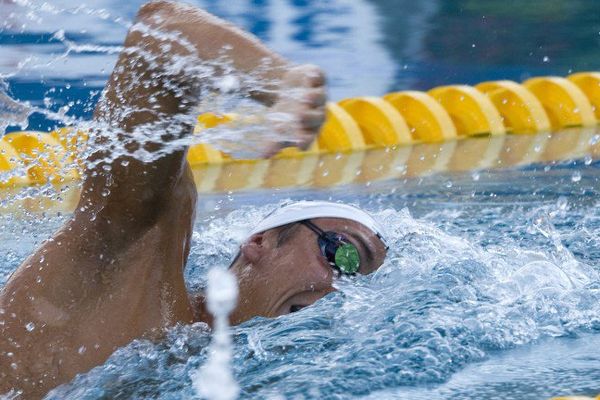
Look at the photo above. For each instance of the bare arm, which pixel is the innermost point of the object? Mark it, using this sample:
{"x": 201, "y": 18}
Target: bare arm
{"x": 139, "y": 188}
{"x": 114, "y": 272}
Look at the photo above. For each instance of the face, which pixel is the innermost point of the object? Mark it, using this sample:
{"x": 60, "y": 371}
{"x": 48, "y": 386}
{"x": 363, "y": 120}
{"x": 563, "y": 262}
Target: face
{"x": 282, "y": 270}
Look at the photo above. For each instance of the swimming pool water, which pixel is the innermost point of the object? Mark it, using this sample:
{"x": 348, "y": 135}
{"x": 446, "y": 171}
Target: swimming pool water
{"x": 487, "y": 293}
{"x": 491, "y": 286}
{"x": 490, "y": 291}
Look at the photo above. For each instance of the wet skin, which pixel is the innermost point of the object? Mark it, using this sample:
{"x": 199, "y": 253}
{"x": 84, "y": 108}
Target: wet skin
{"x": 114, "y": 272}
{"x": 277, "y": 276}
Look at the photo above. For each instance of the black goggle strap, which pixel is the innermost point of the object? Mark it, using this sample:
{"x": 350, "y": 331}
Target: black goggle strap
{"x": 350, "y": 266}
{"x": 313, "y": 227}
{"x": 324, "y": 240}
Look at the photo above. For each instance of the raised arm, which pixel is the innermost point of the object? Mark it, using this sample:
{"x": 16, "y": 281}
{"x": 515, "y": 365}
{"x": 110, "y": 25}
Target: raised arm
{"x": 157, "y": 80}
{"x": 114, "y": 272}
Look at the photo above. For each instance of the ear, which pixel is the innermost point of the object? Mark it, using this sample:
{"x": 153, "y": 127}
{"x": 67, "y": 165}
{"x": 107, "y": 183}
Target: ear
{"x": 253, "y": 248}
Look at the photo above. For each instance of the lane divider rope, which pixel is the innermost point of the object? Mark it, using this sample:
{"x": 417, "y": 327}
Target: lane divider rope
{"x": 370, "y": 138}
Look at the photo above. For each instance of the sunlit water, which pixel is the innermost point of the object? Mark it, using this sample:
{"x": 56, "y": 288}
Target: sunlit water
{"x": 490, "y": 289}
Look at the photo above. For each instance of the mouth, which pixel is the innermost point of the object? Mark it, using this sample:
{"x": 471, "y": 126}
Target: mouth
{"x": 297, "y": 307}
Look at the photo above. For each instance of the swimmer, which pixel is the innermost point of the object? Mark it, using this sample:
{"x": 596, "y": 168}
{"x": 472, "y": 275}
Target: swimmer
{"x": 114, "y": 271}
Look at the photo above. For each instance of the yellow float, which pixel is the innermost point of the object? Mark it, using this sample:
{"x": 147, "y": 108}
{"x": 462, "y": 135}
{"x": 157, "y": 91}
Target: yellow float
{"x": 472, "y": 112}
{"x": 402, "y": 134}
{"x": 521, "y": 111}
{"x": 565, "y": 104}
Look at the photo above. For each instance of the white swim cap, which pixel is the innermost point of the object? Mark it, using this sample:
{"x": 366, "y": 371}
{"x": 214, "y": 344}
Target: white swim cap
{"x": 302, "y": 210}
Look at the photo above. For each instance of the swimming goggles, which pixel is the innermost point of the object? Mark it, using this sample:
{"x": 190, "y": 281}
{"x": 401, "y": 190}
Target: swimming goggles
{"x": 340, "y": 253}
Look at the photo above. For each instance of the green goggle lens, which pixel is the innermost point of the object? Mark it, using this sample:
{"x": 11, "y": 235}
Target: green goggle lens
{"x": 340, "y": 253}
{"x": 347, "y": 258}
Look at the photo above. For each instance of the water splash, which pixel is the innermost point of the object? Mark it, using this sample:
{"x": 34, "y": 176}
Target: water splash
{"x": 224, "y": 90}
{"x": 12, "y": 112}
{"x": 441, "y": 302}
{"x": 462, "y": 283}
{"x": 214, "y": 381}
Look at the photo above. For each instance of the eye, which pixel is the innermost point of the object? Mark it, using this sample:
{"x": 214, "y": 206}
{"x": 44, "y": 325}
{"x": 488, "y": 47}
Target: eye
{"x": 296, "y": 307}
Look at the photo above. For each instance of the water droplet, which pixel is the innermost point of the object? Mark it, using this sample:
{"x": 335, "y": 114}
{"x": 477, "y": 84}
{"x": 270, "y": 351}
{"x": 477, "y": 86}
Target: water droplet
{"x": 562, "y": 203}
{"x": 546, "y": 59}
{"x": 587, "y": 160}
{"x": 576, "y": 177}
{"x": 449, "y": 184}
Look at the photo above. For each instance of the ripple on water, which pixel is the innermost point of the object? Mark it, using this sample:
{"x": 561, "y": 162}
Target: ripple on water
{"x": 441, "y": 302}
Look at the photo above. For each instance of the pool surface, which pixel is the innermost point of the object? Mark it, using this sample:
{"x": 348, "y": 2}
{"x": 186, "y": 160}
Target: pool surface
{"x": 491, "y": 288}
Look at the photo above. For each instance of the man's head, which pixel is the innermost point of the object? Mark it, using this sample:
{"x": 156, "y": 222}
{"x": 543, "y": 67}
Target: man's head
{"x": 292, "y": 256}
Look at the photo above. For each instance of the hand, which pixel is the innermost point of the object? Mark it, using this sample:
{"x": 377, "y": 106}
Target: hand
{"x": 299, "y": 110}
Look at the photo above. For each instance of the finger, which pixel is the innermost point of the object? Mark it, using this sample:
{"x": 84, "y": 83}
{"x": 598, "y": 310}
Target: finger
{"x": 306, "y": 75}
{"x": 271, "y": 150}
{"x": 274, "y": 148}
{"x": 315, "y": 97}
{"x": 312, "y": 119}
{"x": 306, "y": 140}
{"x": 313, "y": 76}
{"x": 287, "y": 143}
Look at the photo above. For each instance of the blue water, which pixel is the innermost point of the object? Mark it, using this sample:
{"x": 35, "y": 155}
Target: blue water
{"x": 491, "y": 288}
